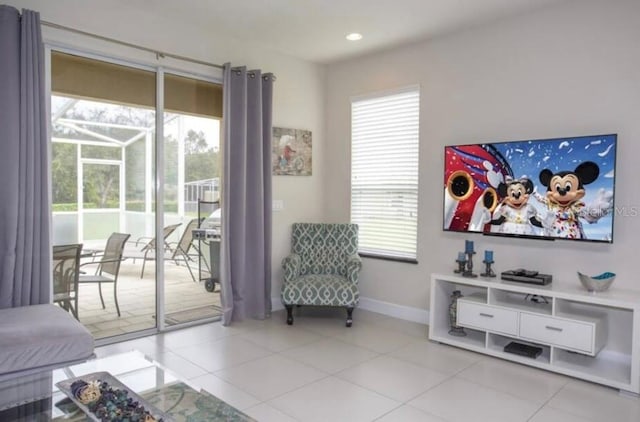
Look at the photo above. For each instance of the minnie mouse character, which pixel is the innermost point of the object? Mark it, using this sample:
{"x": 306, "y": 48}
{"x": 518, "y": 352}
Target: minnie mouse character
{"x": 515, "y": 215}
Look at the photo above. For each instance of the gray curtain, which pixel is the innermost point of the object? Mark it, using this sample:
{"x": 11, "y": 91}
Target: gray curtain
{"x": 246, "y": 204}
{"x": 24, "y": 204}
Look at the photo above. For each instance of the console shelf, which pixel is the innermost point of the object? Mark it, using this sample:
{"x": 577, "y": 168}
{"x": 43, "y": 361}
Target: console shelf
{"x": 589, "y": 336}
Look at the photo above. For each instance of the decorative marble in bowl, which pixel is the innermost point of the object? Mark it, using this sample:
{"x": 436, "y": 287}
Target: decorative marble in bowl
{"x": 597, "y": 283}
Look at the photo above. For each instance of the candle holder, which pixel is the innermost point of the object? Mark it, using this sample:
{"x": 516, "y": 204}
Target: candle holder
{"x": 461, "y": 264}
{"x": 468, "y": 271}
{"x": 488, "y": 271}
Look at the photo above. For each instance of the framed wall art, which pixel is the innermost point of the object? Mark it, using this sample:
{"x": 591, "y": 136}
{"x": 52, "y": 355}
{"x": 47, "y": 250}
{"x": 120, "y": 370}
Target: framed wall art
{"x": 291, "y": 152}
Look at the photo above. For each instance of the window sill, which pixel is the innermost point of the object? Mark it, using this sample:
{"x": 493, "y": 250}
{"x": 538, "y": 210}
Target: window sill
{"x": 388, "y": 258}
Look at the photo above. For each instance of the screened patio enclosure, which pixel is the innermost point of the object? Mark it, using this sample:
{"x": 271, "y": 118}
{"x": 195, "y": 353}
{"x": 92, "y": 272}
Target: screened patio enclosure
{"x": 103, "y": 169}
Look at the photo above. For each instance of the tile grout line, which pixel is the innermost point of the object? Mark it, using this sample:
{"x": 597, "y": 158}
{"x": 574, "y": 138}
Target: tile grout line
{"x": 548, "y": 400}
{"x": 563, "y": 410}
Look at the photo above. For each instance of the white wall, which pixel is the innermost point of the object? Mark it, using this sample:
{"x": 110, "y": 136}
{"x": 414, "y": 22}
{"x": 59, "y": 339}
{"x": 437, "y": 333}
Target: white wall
{"x": 573, "y": 69}
{"x": 298, "y": 91}
{"x": 570, "y": 70}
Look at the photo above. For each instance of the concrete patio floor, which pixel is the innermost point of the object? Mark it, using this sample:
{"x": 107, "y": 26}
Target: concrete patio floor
{"x": 136, "y": 298}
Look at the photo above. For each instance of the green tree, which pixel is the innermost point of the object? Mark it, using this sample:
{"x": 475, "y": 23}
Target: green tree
{"x": 101, "y": 184}
{"x": 201, "y": 160}
{"x": 101, "y": 187}
{"x": 64, "y": 173}
{"x": 195, "y": 142}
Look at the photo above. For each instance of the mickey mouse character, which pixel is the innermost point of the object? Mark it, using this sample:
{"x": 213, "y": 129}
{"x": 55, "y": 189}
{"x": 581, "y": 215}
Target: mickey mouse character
{"x": 515, "y": 215}
{"x": 565, "y": 190}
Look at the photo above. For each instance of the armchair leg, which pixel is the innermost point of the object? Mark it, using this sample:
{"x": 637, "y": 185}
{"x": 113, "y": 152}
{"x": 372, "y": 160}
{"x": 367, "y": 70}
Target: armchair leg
{"x": 349, "y": 314}
{"x": 289, "y": 314}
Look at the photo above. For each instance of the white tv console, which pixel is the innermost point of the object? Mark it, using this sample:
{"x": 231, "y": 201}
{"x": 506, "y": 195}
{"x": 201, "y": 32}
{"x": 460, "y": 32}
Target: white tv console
{"x": 592, "y": 336}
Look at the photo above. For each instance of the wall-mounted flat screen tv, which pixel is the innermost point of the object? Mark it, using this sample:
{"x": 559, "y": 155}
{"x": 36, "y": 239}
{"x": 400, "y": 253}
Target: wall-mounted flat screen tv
{"x": 559, "y": 188}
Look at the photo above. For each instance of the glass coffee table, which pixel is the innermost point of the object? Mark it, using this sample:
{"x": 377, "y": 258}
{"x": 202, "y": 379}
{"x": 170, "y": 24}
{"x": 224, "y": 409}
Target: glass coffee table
{"x": 37, "y": 398}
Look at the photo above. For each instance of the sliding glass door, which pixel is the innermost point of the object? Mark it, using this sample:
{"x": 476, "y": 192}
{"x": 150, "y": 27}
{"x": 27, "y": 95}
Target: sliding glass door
{"x": 105, "y": 162}
{"x": 191, "y": 189}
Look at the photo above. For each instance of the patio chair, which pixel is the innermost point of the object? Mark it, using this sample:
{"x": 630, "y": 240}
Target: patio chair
{"x": 108, "y": 266}
{"x": 180, "y": 250}
{"x": 148, "y": 249}
{"x": 66, "y": 269}
{"x": 176, "y": 251}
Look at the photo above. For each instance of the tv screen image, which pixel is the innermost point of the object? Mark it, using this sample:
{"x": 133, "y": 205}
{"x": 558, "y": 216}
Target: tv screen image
{"x": 560, "y": 188}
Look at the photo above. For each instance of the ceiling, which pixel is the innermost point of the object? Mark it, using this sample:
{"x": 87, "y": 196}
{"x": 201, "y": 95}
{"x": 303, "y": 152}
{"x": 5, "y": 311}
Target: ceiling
{"x": 315, "y": 30}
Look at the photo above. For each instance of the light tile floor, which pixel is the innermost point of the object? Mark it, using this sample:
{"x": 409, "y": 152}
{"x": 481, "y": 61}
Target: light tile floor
{"x": 381, "y": 369}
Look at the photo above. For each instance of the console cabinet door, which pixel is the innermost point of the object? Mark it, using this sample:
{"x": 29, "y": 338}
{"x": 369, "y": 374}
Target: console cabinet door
{"x": 487, "y": 317}
{"x": 559, "y": 332}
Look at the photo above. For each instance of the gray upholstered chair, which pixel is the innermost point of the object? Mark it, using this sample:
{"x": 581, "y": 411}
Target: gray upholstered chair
{"x": 323, "y": 268}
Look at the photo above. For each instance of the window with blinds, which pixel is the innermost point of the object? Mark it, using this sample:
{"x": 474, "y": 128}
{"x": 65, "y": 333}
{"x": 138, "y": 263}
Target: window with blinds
{"x": 384, "y": 172}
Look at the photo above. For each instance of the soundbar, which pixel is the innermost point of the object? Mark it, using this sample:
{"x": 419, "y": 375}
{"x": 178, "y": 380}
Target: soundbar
{"x": 530, "y": 277}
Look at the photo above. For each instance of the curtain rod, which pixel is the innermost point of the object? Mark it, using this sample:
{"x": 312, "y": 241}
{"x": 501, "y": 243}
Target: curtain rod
{"x": 158, "y": 54}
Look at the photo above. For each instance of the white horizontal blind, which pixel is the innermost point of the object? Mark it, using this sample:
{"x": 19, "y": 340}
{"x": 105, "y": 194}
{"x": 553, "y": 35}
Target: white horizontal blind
{"x": 384, "y": 172}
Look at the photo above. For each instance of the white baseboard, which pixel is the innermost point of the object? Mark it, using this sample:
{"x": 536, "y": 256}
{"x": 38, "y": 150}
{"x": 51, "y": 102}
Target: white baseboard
{"x": 397, "y": 311}
{"x": 276, "y": 304}
{"x": 406, "y": 313}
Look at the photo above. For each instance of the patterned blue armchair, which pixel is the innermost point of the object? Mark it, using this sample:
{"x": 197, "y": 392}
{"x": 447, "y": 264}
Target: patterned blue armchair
{"x": 323, "y": 267}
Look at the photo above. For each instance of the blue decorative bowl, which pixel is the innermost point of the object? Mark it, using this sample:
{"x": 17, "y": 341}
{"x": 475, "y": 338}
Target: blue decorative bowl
{"x": 597, "y": 283}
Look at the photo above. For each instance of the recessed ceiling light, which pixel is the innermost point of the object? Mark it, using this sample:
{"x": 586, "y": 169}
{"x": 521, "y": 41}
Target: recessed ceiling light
{"x": 354, "y": 36}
